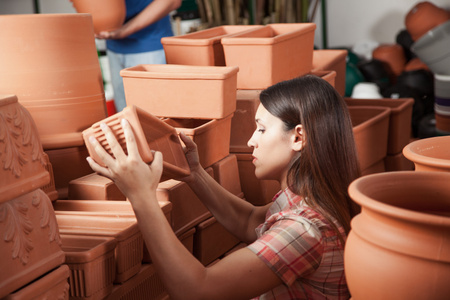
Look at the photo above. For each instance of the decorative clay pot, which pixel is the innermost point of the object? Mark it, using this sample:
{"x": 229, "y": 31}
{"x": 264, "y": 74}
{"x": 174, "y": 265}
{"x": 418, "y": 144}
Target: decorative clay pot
{"x": 423, "y": 17}
{"x": 430, "y": 154}
{"x": 399, "y": 246}
{"x": 107, "y": 15}
{"x": 50, "y": 62}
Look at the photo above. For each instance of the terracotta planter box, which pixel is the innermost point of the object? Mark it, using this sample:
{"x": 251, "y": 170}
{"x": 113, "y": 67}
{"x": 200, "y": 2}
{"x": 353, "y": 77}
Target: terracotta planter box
{"x": 257, "y": 192}
{"x": 92, "y": 265}
{"x": 200, "y": 48}
{"x": 178, "y": 91}
{"x": 328, "y": 76}
{"x": 270, "y": 54}
{"x": 211, "y": 136}
{"x": 212, "y": 240}
{"x": 94, "y": 187}
{"x": 430, "y": 154}
{"x": 151, "y": 134}
{"x": 397, "y": 162}
{"x": 226, "y": 173}
{"x": 399, "y": 119}
{"x": 334, "y": 60}
{"x": 370, "y": 129}
{"x": 243, "y": 122}
{"x": 125, "y": 230}
{"x": 53, "y": 285}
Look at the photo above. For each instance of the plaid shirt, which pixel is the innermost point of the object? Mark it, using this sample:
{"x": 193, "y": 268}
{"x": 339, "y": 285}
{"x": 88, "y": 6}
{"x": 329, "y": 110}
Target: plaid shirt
{"x": 300, "y": 246}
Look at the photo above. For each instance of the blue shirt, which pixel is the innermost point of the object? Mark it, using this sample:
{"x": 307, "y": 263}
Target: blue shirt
{"x": 145, "y": 40}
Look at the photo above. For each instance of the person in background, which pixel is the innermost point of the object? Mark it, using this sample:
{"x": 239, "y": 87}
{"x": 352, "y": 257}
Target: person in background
{"x": 295, "y": 244}
{"x": 138, "y": 41}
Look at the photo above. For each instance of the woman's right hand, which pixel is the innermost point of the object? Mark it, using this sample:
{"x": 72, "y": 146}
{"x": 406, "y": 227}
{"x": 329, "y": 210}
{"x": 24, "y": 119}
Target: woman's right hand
{"x": 192, "y": 157}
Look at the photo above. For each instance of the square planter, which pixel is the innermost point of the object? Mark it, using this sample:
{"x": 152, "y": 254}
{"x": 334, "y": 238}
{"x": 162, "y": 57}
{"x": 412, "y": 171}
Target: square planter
{"x": 53, "y": 285}
{"x": 399, "y": 119}
{"x": 94, "y": 187}
{"x": 333, "y": 60}
{"x": 125, "y": 230}
{"x": 328, "y": 76}
{"x": 212, "y": 240}
{"x": 270, "y": 54}
{"x": 200, "y": 48}
{"x": 150, "y": 132}
{"x": 226, "y": 173}
{"x": 256, "y": 191}
{"x": 211, "y": 136}
{"x": 178, "y": 91}
{"x": 370, "y": 129}
{"x": 92, "y": 265}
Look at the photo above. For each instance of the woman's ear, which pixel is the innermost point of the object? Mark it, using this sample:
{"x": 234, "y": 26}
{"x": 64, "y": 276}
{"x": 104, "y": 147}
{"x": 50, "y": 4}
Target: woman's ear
{"x": 298, "y": 138}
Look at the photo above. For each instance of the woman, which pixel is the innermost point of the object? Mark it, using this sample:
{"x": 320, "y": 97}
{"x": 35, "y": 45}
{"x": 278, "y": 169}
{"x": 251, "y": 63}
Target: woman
{"x": 304, "y": 139}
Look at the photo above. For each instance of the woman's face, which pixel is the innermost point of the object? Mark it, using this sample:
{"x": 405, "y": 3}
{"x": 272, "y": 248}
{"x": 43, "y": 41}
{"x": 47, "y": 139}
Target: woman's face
{"x": 272, "y": 147}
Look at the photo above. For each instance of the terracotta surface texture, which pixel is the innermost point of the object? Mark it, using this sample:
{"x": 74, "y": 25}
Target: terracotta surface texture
{"x": 430, "y": 154}
{"x": 397, "y": 234}
{"x": 200, "y": 48}
{"x": 94, "y": 186}
{"x": 334, "y": 60}
{"x": 55, "y": 55}
{"x": 397, "y": 162}
{"x": 270, "y": 54}
{"x": 151, "y": 134}
{"x": 226, "y": 173}
{"x": 179, "y": 91}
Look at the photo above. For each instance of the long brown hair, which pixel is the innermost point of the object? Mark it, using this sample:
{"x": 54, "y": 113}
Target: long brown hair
{"x": 327, "y": 164}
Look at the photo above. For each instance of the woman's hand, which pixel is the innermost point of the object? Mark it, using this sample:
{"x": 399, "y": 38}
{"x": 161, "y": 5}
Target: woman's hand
{"x": 192, "y": 157}
{"x": 135, "y": 178}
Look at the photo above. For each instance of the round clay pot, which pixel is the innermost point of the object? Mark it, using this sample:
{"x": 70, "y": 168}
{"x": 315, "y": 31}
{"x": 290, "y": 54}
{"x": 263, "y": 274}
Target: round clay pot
{"x": 423, "y": 17}
{"x": 430, "y": 154}
{"x": 399, "y": 246}
{"x": 107, "y": 15}
{"x": 393, "y": 55}
{"x": 415, "y": 64}
{"x": 50, "y": 62}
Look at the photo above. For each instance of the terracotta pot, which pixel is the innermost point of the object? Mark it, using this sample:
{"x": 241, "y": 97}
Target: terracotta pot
{"x": 151, "y": 134}
{"x": 211, "y": 136}
{"x": 226, "y": 173}
{"x": 212, "y": 240}
{"x": 30, "y": 245}
{"x": 370, "y": 129}
{"x": 270, "y": 54}
{"x": 393, "y": 56}
{"x": 333, "y": 60}
{"x": 53, "y": 285}
{"x": 94, "y": 187}
{"x": 162, "y": 90}
{"x": 107, "y": 15}
{"x": 55, "y": 55}
{"x": 328, "y": 76}
{"x": 23, "y": 161}
{"x": 399, "y": 119}
{"x": 124, "y": 229}
{"x": 423, "y": 17}
{"x": 430, "y": 154}
{"x": 92, "y": 265}
{"x": 415, "y": 64}
{"x": 442, "y": 123}
{"x": 398, "y": 247}
{"x": 200, "y": 48}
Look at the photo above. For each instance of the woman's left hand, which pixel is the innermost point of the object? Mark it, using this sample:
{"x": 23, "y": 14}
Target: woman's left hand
{"x": 130, "y": 173}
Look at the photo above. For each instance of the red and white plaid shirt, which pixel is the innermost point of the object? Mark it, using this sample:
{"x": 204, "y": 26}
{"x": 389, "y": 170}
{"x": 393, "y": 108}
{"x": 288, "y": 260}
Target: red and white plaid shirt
{"x": 300, "y": 246}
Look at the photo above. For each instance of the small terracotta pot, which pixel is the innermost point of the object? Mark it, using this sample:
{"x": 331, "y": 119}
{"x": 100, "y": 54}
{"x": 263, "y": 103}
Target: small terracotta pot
{"x": 430, "y": 154}
{"x": 442, "y": 123}
{"x": 393, "y": 55}
{"x": 399, "y": 246}
{"x": 334, "y": 60}
{"x": 423, "y": 17}
{"x": 107, "y": 15}
{"x": 151, "y": 134}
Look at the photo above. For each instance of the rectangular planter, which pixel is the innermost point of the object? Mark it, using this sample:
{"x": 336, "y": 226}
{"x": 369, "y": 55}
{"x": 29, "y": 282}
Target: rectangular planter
{"x": 328, "y": 76}
{"x": 226, "y": 173}
{"x": 94, "y": 187}
{"x": 270, "y": 54}
{"x": 178, "y": 91}
{"x": 125, "y": 230}
{"x": 151, "y": 134}
{"x": 370, "y": 129}
{"x": 211, "y": 136}
{"x": 92, "y": 265}
{"x": 212, "y": 240}
{"x": 200, "y": 48}
{"x": 332, "y": 60}
{"x": 399, "y": 119}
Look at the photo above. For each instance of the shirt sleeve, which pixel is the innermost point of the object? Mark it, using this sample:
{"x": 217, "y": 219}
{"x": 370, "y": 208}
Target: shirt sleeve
{"x": 291, "y": 247}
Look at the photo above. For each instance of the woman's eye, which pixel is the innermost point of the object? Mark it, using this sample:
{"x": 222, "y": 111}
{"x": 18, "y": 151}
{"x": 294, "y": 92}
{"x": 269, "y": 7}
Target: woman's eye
{"x": 261, "y": 130}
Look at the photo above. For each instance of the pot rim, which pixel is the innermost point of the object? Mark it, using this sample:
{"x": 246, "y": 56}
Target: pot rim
{"x": 357, "y": 187}
{"x": 411, "y": 153}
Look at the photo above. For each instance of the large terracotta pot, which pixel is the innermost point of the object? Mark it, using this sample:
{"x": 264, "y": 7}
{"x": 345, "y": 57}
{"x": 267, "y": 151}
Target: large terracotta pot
{"x": 50, "y": 62}
{"x": 430, "y": 154}
{"x": 107, "y": 15}
{"x": 399, "y": 245}
{"x": 423, "y": 17}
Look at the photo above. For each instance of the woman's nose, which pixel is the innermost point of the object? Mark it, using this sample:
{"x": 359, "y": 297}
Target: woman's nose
{"x": 251, "y": 141}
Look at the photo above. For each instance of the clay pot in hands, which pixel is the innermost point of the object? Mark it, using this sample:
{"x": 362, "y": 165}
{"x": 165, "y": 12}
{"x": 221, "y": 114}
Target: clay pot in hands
{"x": 399, "y": 246}
{"x": 423, "y": 17}
{"x": 107, "y": 15}
{"x": 430, "y": 154}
